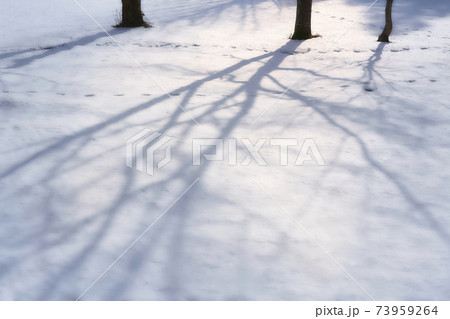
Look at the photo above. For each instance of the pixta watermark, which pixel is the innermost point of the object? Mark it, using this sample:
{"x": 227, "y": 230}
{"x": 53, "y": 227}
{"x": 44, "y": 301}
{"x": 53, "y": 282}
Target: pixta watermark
{"x": 148, "y": 150}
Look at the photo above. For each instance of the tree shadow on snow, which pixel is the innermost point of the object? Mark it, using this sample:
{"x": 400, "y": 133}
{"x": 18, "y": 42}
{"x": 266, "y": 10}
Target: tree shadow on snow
{"x": 46, "y": 52}
{"x": 68, "y": 149}
{"x": 174, "y": 229}
{"x": 415, "y": 14}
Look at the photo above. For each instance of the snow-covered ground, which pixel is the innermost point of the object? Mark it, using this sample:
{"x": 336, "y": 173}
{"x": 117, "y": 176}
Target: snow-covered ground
{"x": 375, "y": 218}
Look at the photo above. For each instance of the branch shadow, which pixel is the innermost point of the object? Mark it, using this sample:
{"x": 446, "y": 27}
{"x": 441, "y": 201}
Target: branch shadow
{"x": 412, "y": 13}
{"x": 209, "y": 12}
{"x": 53, "y": 50}
{"x": 74, "y": 144}
{"x": 174, "y": 227}
{"x": 369, "y": 83}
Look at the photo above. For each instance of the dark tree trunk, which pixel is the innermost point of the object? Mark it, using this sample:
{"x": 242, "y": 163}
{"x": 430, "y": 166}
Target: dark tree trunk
{"x": 303, "y": 20}
{"x": 384, "y": 36}
{"x": 132, "y": 15}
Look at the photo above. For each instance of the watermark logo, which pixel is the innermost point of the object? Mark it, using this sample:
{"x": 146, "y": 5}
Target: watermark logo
{"x": 143, "y": 148}
{"x": 148, "y": 150}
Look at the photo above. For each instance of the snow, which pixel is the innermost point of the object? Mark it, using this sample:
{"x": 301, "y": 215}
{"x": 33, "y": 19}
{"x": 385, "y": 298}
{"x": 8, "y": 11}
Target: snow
{"x": 379, "y": 114}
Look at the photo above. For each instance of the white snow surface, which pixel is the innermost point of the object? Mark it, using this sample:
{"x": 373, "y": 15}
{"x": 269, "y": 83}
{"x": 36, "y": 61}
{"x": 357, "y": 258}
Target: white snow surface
{"x": 374, "y": 222}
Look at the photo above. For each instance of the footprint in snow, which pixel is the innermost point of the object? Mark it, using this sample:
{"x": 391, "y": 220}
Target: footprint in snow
{"x": 119, "y": 94}
{"x": 89, "y": 95}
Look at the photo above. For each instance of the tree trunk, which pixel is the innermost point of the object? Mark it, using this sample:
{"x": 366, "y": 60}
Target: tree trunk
{"x": 132, "y": 15}
{"x": 384, "y": 36}
{"x": 303, "y": 20}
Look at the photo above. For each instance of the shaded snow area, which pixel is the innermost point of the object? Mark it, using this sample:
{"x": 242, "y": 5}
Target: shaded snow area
{"x": 373, "y": 222}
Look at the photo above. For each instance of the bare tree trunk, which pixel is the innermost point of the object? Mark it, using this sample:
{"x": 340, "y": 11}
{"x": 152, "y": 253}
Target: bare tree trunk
{"x": 132, "y": 15}
{"x": 303, "y": 20}
{"x": 384, "y": 36}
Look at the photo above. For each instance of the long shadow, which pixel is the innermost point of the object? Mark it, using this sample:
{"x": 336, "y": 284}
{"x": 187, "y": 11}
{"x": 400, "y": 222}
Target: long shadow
{"x": 80, "y": 139}
{"x": 189, "y": 91}
{"x": 185, "y": 174}
{"x": 47, "y": 52}
{"x": 250, "y": 89}
{"x": 9, "y": 54}
{"x": 411, "y": 13}
{"x": 370, "y": 69}
{"x": 403, "y": 189}
{"x": 206, "y": 12}
{"x": 108, "y": 215}
{"x": 177, "y": 227}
